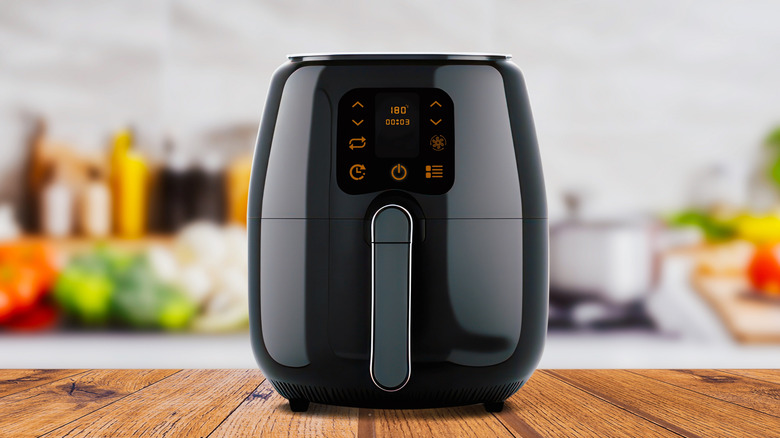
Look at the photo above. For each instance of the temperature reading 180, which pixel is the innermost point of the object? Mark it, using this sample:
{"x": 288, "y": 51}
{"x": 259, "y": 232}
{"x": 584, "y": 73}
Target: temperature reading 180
{"x": 398, "y": 109}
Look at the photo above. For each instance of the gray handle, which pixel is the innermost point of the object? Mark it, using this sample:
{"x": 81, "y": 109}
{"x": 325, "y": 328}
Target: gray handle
{"x": 391, "y": 253}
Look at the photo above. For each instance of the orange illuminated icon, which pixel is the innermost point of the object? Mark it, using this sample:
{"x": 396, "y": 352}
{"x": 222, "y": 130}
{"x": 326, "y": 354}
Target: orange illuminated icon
{"x": 436, "y": 102}
{"x": 357, "y": 172}
{"x": 357, "y": 123}
{"x": 436, "y": 122}
{"x": 434, "y": 171}
{"x": 357, "y": 143}
{"x": 357, "y": 103}
{"x": 438, "y": 142}
{"x": 398, "y": 172}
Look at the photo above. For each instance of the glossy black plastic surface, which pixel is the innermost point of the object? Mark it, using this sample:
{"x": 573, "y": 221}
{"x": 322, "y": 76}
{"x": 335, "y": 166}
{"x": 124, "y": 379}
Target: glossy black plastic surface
{"x": 497, "y": 161}
{"x": 479, "y": 260}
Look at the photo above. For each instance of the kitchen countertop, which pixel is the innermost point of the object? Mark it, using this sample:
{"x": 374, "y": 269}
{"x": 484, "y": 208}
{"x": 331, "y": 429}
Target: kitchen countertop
{"x": 575, "y": 349}
{"x": 215, "y": 403}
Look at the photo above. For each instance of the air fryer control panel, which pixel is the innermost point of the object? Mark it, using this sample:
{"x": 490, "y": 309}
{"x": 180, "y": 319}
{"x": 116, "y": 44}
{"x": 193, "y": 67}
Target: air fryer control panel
{"x": 395, "y": 138}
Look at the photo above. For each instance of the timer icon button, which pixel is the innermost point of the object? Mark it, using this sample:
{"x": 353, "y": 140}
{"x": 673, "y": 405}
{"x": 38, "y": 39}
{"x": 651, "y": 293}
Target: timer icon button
{"x": 398, "y": 172}
{"x": 357, "y": 172}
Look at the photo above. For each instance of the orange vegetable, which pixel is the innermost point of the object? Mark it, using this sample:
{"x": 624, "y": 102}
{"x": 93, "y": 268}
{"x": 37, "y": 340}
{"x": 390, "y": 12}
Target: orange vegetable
{"x": 27, "y": 272}
{"x": 35, "y": 255}
{"x": 23, "y": 285}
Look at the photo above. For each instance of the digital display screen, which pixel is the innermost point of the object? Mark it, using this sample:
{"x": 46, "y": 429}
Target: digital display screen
{"x": 397, "y": 125}
{"x": 395, "y": 139}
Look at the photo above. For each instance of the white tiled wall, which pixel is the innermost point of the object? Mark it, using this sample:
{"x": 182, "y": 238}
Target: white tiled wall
{"x": 630, "y": 98}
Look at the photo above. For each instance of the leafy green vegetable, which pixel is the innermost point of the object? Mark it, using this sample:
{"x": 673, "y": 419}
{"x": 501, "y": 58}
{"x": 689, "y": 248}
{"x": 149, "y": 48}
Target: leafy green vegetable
{"x": 104, "y": 286}
{"x": 714, "y": 229}
{"x": 774, "y": 171}
{"x": 773, "y": 139}
{"x": 85, "y": 294}
{"x": 144, "y": 302}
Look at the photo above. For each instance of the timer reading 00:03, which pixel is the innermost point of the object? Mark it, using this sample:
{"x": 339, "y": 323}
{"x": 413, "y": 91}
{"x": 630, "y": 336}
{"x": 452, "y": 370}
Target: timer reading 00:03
{"x": 397, "y": 122}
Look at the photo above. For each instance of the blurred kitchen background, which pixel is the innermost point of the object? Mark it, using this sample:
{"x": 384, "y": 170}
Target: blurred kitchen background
{"x": 126, "y": 130}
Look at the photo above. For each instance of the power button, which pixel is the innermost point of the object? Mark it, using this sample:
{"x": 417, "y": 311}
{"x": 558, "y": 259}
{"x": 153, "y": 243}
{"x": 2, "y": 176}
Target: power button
{"x": 398, "y": 172}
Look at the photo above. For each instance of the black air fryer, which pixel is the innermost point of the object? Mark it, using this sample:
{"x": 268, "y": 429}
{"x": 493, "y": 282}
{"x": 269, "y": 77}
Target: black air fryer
{"x": 397, "y": 232}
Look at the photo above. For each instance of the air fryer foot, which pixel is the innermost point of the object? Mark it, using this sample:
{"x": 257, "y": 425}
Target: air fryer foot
{"x": 299, "y": 405}
{"x": 494, "y": 406}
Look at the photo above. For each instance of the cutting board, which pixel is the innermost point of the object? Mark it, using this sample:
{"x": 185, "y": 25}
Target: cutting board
{"x": 749, "y": 318}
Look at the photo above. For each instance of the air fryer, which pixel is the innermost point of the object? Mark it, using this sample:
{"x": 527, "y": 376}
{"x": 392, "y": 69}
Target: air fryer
{"x": 397, "y": 232}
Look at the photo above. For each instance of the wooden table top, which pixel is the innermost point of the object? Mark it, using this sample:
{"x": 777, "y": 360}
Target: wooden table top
{"x": 232, "y": 403}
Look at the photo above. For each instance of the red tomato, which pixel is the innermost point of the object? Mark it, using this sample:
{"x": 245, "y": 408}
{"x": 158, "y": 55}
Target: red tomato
{"x": 41, "y": 317}
{"x": 7, "y": 305}
{"x": 764, "y": 269}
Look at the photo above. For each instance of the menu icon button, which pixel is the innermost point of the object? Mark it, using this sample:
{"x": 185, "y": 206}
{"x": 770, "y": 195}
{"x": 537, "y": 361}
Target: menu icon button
{"x": 434, "y": 171}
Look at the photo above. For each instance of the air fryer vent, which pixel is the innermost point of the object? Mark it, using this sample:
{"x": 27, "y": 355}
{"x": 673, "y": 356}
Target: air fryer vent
{"x": 411, "y": 399}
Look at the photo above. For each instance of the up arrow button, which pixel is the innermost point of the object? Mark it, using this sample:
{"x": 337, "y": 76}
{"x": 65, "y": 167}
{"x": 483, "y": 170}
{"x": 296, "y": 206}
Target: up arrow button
{"x": 436, "y": 102}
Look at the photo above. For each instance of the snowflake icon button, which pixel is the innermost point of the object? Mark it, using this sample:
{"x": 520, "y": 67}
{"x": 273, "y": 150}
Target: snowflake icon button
{"x": 438, "y": 142}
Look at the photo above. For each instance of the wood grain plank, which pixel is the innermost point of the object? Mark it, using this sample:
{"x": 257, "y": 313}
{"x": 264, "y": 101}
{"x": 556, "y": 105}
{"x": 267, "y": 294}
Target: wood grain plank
{"x": 190, "y": 403}
{"x": 366, "y": 423}
{"x": 13, "y": 381}
{"x": 463, "y": 421}
{"x": 43, "y": 408}
{"x": 666, "y": 404}
{"x": 266, "y": 413}
{"x": 765, "y": 375}
{"x": 547, "y": 406}
{"x": 744, "y": 391}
